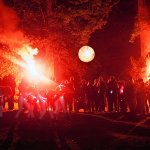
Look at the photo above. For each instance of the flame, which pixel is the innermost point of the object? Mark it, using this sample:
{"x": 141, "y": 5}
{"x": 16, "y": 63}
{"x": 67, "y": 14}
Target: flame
{"x": 121, "y": 89}
{"x": 148, "y": 69}
{"x": 143, "y": 13}
{"x": 34, "y": 70}
{"x": 18, "y": 43}
{"x": 27, "y": 53}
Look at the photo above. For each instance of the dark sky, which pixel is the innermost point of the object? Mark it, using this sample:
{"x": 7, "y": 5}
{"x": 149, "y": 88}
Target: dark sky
{"x": 111, "y": 44}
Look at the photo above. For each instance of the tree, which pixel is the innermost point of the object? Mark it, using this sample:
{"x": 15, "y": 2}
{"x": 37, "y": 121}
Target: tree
{"x": 60, "y": 27}
{"x": 142, "y": 30}
{"x": 137, "y": 69}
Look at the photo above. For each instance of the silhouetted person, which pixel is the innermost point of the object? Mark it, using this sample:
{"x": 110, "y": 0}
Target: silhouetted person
{"x": 121, "y": 97}
{"x": 9, "y": 82}
{"x": 102, "y": 93}
{"x": 130, "y": 95}
{"x": 23, "y": 99}
{"x": 112, "y": 90}
{"x": 1, "y": 102}
{"x": 90, "y": 96}
{"x": 140, "y": 97}
{"x": 148, "y": 96}
{"x": 80, "y": 96}
{"x": 96, "y": 94}
{"x": 69, "y": 94}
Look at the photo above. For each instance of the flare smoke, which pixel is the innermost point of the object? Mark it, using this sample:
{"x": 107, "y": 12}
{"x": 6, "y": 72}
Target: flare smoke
{"x": 10, "y": 33}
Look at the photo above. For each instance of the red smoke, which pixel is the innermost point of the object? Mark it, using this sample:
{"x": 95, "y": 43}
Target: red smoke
{"x": 9, "y": 32}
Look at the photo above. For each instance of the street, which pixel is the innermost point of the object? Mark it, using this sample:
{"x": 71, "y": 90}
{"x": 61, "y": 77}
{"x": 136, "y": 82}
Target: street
{"x": 75, "y": 131}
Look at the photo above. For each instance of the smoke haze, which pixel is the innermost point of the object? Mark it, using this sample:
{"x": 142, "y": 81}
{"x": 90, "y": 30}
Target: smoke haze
{"x": 9, "y": 32}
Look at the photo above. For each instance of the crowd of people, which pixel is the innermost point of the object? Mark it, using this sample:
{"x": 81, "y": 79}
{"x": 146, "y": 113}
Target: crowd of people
{"x": 70, "y": 95}
{"x": 114, "y": 95}
{"x": 7, "y": 92}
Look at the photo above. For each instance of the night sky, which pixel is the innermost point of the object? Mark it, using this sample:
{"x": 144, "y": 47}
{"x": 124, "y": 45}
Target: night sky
{"x": 111, "y": 44}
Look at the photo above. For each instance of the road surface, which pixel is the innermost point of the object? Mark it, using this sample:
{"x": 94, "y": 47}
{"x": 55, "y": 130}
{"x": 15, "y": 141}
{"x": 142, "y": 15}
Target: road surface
{"x": 75, "y": 131}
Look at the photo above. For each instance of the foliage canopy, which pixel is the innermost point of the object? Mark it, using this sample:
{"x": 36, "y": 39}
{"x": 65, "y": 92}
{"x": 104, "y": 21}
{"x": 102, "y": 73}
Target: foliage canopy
{"x": 59, "y": 27}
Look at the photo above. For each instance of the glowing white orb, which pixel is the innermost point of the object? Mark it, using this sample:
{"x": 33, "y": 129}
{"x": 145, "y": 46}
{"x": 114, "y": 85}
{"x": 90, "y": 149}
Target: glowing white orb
{"x": 86, "y": 53}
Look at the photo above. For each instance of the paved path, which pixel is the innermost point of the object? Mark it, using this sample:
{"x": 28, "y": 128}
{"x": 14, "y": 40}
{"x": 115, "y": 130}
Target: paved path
{"x": 75, "y": 131}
